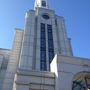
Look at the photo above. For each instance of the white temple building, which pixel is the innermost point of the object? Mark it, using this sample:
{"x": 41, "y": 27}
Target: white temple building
{"x": 41, "y": 57}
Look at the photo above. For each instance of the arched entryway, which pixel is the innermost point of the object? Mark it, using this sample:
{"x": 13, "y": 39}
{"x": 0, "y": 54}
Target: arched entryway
{"x": 81, "y": 81}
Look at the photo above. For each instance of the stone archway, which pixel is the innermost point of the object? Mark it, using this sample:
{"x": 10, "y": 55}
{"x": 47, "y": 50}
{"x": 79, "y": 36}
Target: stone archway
{"x": 81, "y": 81}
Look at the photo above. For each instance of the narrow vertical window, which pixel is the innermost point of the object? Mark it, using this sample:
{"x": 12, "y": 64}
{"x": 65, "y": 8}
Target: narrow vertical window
{"x": 50, "y": 43}
{"x": 43, "y": 3}
{"x": 43, "y": 49}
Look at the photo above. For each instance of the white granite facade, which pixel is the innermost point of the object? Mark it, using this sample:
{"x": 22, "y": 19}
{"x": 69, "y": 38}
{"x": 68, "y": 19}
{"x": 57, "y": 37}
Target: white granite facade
{"x": 20, "y": 66}
{"x": 30, "y": 55}
{"x": 13, "y": 61}
{"x": 34, "y": 80}
{"x": 4, "y": 58}
{"x": 66, "y": 68}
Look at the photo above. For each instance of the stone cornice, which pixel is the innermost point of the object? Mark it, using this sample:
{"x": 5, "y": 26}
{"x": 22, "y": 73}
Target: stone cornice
{"x": 35, "y": 73}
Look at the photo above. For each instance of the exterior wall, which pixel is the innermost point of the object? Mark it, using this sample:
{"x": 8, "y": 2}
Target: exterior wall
{"x": 4, "y": 58}
{"x": 24, "y": 59}
{"x": 13, "y": 61}
{"x": 30, "y": 52}
{"x": 28, "y": 44}
{"x": 66, "y": 68}
{"x": 63, "y": 40}
{"x": 34, "y": 80}
{"x": 40, "y": 20}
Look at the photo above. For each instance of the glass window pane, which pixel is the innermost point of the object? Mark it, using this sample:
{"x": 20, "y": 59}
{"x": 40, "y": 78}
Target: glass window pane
{"x": 49, "y": 35}
{"x": 49, "y": 27}
{"x": 44, "y": 3}
{"x": 45, "y": 16}
{"x": 51, "y": 56}
{"x": 50, "y": 43}
{"x": 79, "y": 85}
{"x": 49, "y": 30}
{"x": 42, "y": 34}
{"x": 43, "y": 55}
{"x": 43, "y": 29}
{"x": 42, "y": 42}
{"x": 43, "y": 65}
{"x": 43, "y": 26}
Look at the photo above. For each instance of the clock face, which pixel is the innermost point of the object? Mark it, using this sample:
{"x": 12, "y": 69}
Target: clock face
{"x": 45, "y": 16}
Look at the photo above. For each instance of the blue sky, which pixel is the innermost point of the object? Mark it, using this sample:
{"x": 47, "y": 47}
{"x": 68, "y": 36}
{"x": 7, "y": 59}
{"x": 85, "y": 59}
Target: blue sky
{"x": 75, "y": 12}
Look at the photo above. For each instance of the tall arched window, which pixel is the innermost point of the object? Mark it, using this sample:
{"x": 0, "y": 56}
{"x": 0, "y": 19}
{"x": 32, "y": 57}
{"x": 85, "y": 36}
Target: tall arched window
{"x": 81, "y": 81}
{"x": 43, "y": 3}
